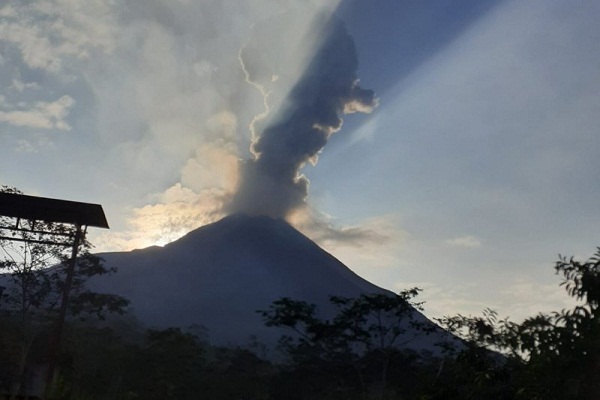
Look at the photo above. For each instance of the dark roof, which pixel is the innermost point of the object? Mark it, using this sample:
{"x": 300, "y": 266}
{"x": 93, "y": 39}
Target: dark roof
{"x": 52, "y": 210}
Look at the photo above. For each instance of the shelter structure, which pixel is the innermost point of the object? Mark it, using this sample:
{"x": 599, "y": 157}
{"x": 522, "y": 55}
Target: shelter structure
{"x": 21, "y": 207}
{"x": 73, "y": 217}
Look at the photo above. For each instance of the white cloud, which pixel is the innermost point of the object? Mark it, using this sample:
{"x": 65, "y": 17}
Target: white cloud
{"x": 45, "y": 32}
{"x": 518, "y": 299}
{"x": 322, "y": 229}
{"x": 24, "y": 146}
{"x": 464, "y": 241}
{"x": 20, "y": 86}
{"x": 204, "y": 69}
{"x": 176, "y": 212}
{"x": 525, "y": 297}
{"x": 33, "y": 145}
{"x": 8, "y": 11}
{"x": 41, "y": 115}
{"x": 163, "y": 94}
{"x": 441, "y": 301}
{"x": 365, "y": 246}
{"x": 215, "y": 162}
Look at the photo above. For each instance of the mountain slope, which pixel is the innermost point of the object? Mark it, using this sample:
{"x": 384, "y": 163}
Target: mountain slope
{"x": 219, "y": 275}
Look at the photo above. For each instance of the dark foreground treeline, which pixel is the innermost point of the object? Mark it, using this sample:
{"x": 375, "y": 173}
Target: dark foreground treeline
{"x": 352, "y": 355}
{"x": 103, "y": 363}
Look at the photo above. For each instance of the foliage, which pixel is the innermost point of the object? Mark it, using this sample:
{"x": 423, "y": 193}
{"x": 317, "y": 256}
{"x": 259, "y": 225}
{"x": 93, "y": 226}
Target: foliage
{"x": 35, "y": 265}
{"x": 549, "y": 356}
{"x": 356, "y": 353}
{"x": 34, "y": 257}
{"x": 115, "y": 363}
{"x": 362, "y": 337}
{"x": 368, "y": 322}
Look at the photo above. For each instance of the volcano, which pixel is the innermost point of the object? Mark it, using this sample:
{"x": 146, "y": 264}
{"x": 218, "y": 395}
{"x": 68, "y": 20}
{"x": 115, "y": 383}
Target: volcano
{"x": 219, "y": 275}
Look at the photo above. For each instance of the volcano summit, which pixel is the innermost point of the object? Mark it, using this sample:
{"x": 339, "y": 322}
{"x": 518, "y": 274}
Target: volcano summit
{"x": 219, "y": 275}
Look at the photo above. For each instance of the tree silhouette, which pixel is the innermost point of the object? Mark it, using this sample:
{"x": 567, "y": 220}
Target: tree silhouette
{"x": 551, "y": 356}
{"x": 33, "y": 271}
{"x": 363, "y": 336}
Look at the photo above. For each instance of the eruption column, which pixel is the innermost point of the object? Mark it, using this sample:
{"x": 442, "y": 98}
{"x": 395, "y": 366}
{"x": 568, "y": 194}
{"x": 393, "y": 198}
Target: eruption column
{"x": 271, "y": 183}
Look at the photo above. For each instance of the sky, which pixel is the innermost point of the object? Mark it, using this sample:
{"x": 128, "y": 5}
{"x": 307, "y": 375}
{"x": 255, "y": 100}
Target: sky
{"x": 456, "y": 149}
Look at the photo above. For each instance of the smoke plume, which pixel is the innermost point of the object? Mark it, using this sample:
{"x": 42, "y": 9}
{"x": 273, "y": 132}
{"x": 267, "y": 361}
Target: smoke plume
{"x": 297, "y": 123}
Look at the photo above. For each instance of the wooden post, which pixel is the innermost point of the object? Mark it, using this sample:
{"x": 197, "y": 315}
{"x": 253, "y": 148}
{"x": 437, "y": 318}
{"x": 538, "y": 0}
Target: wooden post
{"x": 55, "y": 341}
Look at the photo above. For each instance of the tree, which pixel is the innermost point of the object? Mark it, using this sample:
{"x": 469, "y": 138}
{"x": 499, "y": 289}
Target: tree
{"x": 173, "y": 362}
{"x": 122, "y": 362}
{"x": 33, "y": 265}
{"x": 364, "y": 335}
{"x": 550, "y": 356}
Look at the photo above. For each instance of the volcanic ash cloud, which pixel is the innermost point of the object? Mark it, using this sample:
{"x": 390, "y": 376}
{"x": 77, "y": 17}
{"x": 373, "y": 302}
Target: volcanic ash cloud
{"x": 293, "y": 133}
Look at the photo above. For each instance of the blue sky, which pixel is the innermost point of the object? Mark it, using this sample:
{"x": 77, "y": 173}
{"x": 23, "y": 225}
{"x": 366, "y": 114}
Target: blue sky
{"x": 476, "y": 169}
